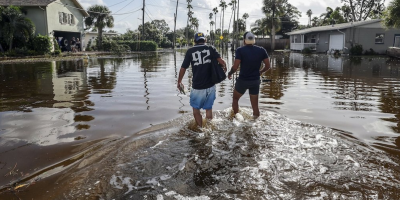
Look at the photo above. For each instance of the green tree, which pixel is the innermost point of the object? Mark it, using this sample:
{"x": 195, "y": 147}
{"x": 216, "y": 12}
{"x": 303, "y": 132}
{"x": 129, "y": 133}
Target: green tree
{"x": 161, "y": 25}
{"x": 361, "y": 10}
{"x": 391, "y": 17}
{"x": 325, "y": 16}
{"x": 215, "y": 10}
{"x": 151, "y": 32}
{"x": 309, "y": 13}
{"x": 245, "y": 16}
{"x": 223, "y": 6}
{"x": 14, "y": 24}
{"x": 315, "y": 21}
{"x": 272, "y": 9}
{"x": 99, "y": 17}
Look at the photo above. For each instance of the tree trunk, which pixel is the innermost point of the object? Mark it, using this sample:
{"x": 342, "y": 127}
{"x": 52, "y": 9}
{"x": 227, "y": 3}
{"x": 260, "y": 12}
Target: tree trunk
{"x": 273, "y": 29}
{"x": 11, "y": 42}
{"x": 100, "y": 40}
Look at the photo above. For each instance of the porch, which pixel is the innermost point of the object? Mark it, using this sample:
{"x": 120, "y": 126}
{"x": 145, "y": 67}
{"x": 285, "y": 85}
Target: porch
{"x": 299, "y": 42}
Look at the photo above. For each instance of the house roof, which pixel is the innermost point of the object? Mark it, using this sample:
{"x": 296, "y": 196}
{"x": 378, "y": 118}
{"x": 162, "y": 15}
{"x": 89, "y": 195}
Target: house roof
{"x": 334, "y": 27}
{"x": 40, "y": 3}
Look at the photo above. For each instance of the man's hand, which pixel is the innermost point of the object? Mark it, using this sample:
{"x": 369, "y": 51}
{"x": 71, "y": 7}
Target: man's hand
{"x": 230, "y": 77}
{"x": 178, "y": 86}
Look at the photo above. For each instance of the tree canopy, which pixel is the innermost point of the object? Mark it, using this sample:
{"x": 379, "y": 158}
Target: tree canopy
{"x": 99, "y": 17}
{"x": 391, "y": 17}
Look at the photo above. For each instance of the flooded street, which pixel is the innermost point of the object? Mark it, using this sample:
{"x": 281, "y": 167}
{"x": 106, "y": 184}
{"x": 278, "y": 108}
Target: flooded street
{"x": 117, "y": 128}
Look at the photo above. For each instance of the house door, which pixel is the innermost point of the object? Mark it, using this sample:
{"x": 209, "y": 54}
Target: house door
{"x": 336, "y": 42}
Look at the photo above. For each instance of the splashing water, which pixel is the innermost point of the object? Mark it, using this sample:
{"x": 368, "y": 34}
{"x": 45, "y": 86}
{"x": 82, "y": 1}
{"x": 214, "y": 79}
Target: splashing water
{"x": 271, "y": 157}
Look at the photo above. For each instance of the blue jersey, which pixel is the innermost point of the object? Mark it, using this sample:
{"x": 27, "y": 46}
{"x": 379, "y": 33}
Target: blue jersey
{"x": 251, "y": 58}
{"x": 200, "y": 57}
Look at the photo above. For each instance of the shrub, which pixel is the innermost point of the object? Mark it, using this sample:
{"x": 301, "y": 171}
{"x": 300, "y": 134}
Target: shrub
{"x": 306, "y": 50}
{"x": 165, "y": 43}
{"x": 42, "y": 44}
{"x": 31, "y": 52}
{"x": 89, "y": 46}
{"x": 56, "y": 47}
{"x": 144, "y": 45}
{"x": 21, "y": 51}
{"x": 356, "y": 50}
{"x": 370, "y": 52}
{"x": 11, "y": 53}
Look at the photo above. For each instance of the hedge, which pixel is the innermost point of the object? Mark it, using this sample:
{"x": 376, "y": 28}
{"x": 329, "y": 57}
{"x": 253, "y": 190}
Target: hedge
{"x": 144, "y": 45}
{"x": 42, "y": 44}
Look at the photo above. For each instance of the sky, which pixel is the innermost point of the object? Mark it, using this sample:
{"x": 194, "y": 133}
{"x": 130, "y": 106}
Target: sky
{"x": 165, "y": 9}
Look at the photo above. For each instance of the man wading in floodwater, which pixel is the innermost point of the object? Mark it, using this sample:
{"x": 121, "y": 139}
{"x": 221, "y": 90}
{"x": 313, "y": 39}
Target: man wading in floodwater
{"x": 249, "y": 57}
{"x": 202, "y": 95}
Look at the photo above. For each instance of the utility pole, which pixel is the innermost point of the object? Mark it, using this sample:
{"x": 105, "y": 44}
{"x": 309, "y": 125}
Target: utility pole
{"x": 237, "y": 25}
{"x": 143, "y": 21}
{"x": 176, "y": 15}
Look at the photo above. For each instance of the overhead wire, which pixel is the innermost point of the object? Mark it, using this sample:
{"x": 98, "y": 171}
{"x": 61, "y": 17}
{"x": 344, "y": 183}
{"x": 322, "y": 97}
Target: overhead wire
{"x": 108, "y": 13}
{"x": 117, "y": 3}
{"x": 124, "y": 6}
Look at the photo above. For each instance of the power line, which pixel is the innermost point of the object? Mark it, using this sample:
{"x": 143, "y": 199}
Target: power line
{"x": 129, "y": 15}
{"x": 148, "y": 15}
{"x": 124, "y": 6}
{"x": 117, "y": 3}
{"x": 107, "y": 13}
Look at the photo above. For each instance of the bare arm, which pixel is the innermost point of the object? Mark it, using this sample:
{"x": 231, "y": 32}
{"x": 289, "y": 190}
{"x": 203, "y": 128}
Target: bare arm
{"x": 181, "y": 74}
{"x": 234, "y": 68}
{"x": 222, "y": 62}
{"x": 266, "y": 67}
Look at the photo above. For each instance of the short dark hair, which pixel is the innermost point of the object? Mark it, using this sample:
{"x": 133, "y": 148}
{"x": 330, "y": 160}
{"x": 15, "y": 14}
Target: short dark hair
{"x": 200, "y": 41}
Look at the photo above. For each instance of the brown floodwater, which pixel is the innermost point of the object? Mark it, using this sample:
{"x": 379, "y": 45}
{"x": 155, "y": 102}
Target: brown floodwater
{"x": 56, "y": 117}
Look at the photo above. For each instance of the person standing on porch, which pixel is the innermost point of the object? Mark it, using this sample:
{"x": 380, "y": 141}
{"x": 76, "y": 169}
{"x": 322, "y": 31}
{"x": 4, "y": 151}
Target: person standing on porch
{"x": 250, "y": 58}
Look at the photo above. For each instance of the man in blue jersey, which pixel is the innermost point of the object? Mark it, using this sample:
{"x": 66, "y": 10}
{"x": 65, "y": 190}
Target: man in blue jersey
{"x": 250, "y": 58}
{"x": 202, "y": 95}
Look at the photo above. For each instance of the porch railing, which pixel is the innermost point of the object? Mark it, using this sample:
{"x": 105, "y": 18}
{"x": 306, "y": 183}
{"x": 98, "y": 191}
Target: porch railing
{"x": 301, "y": 46}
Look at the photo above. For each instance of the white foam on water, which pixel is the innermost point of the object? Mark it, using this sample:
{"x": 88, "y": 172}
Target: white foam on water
{"x": 118, "y": 182}
{"x": 181, "y": 197}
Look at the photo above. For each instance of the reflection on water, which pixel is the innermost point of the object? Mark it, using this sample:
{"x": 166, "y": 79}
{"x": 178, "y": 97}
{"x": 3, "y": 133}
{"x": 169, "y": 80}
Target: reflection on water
{"x": 46, "y": 107}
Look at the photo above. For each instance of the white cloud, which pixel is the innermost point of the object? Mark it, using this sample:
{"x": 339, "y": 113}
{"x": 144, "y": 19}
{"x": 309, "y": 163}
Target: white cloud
{"x": 165, "y": 9}
{"x": 121, "y": 27}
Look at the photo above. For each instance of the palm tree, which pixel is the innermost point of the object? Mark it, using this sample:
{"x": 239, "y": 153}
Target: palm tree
{"x": 326, "y": 15}
{"x": 190, "y": 13}
{"x": 245, "y": 16}
{"x": 211, "y": 33}
{"x": 13, "y": 22}
{"x": 273, "y": 8}
{"x": 223, "y": 6}
{"x": 210, "y": 16}
{"x": 215, "y": 10}
{"x": 99, "y": 17}
{"x": 309, "y": 13}
{"x": 195, "y": 23}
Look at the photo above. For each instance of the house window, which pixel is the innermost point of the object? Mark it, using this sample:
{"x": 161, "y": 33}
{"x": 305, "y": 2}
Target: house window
{"x": 72, "y": 19}
{"x": 65, "y": 18}
{"x": 60, "y": 17}
{"x": 313, "y": 39}
{"x": 379, "y": 38}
